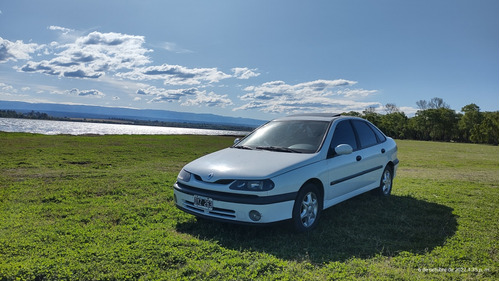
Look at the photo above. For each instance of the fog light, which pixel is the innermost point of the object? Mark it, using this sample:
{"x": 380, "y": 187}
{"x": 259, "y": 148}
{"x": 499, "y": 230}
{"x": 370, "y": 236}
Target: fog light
{"x": 254, "y": 215}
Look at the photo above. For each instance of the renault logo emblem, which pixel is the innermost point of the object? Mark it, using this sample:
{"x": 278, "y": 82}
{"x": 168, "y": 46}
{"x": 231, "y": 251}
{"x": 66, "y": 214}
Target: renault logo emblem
{"x": 210, "y": 176}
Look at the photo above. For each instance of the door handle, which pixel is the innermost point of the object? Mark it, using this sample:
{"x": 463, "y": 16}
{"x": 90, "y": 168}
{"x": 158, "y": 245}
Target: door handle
{"x": 358, "y": 158}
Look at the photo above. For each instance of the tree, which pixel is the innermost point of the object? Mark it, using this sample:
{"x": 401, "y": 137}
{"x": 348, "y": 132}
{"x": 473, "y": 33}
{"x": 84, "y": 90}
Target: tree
{"x": 438, "y": 103}
{"x": 434, "y": 103}
{"x": 371, "y": 115}
{"x": 489, "y": 127}
{"x": 422, "y": 104}
{"x": 394, "y": 124}
{"x": 437, "y": 124}
{"x": 470, "y": 122}
{"x": 487, "y": 131}
{"x": 352, "y": 113}
{"x": 391, "y": 108}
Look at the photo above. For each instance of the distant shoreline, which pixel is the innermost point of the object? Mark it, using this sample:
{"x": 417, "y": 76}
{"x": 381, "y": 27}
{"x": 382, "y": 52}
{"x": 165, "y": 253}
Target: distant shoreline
{"x": 44, "y": 116}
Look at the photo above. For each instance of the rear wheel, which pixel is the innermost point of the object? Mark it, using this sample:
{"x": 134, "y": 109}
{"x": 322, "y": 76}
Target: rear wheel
{"x": 307, "y": 208}
{"x": 385, "y": 187}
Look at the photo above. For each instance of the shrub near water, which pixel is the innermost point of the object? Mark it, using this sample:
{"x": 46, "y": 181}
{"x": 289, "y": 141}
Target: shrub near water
{"x": 101, "y": 207}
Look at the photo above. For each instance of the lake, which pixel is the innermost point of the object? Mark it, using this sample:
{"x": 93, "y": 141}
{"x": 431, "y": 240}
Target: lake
{"x": 49, "y": 127}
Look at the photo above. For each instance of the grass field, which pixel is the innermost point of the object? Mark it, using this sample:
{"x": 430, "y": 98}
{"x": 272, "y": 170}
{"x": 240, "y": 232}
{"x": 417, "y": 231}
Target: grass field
{"x": 101, "y": 207}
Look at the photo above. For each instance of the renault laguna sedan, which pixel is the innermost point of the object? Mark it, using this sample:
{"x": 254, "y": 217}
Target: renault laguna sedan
{"x": 290, "y": 168}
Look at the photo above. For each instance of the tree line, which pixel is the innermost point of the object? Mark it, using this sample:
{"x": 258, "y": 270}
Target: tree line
{"x": 435, "y": 121}
{"x": 28, "y": 115}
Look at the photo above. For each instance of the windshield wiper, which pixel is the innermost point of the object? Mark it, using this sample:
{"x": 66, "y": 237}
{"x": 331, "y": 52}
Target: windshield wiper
{"x": 243, "y": 147}
{"x": 278, "y": 148}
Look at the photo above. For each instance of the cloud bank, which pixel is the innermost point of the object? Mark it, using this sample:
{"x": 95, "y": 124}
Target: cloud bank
{"x": 176, "y": 74}
{"x": 189, "y": 97}
{"x": 122, "y": 59}
{"x": 314, "y": 96}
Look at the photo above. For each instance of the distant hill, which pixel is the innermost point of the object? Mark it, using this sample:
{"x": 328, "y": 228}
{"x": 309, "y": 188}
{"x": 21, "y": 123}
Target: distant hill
{"x": 101, "y": 112}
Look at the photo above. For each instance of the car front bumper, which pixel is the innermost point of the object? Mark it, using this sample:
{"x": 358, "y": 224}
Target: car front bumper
{"x": 235, "y": 208}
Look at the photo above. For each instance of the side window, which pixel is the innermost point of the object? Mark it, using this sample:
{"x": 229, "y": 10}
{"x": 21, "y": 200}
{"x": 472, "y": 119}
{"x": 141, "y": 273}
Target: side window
{"x": 380, "y": 136}
{"x": 343, "y": 135}
{"x": 366, "y": 135}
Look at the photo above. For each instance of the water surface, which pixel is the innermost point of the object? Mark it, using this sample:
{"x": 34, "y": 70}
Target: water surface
{"x": 49, "y": 127}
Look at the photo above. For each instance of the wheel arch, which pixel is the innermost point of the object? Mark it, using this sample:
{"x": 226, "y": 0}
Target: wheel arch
{"x": 320, "y": 187}
{"x": 390, "y": 164}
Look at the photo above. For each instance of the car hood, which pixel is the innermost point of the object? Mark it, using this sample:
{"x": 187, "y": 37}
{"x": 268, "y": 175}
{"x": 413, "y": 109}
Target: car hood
{"x": 232, "y": 163}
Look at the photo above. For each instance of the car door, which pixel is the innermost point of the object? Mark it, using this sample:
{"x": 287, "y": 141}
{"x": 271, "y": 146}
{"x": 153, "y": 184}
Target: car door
{"x": 371, "y": 154}
{"x": 342, "y": 169}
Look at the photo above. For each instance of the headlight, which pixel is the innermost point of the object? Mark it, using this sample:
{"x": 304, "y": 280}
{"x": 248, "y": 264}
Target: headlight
{"x": 184, "y": 176}
{"x": 253, "y": 185}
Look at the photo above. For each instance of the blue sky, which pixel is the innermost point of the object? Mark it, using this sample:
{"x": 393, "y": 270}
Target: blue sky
{"x": 259, "y": 59}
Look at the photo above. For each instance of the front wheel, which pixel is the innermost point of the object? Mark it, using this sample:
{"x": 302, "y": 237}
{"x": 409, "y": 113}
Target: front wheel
{"x": 307, "y": 208}
{"x": 385, "y": 187}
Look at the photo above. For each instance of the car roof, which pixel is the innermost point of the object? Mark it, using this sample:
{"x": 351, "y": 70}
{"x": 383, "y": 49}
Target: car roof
{"x": 311, "y": 116}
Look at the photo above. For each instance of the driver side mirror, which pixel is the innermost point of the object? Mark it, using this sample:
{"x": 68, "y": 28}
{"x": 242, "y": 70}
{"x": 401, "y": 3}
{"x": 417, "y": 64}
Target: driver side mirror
{"x": 343, "y": 149}
{"x": 236, "y": 141}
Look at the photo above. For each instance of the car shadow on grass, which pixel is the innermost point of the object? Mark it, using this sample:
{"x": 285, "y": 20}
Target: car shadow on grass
{"x": 361, "y": 227}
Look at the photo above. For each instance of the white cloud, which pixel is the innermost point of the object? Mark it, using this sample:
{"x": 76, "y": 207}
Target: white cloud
{"x": 165, "y": 95}
{"x": 408, "y": 110}
{"x": 64, "y": 30}
{"x": 86, "y": 93}
{"x": 356, "y": 93}
{"x": 7, "y": 88}
{"x": 173, "y": 47}
{"x": 211, "y": 99}
{"x": 244, "y": 72}
{"x": 189, "y": 97}
{"x": 93, "y": 55}
{"x": 279, "y": 89}
{"x": 10, "y": 92}
{"x": 16, "y": 50}
{"x": 176, "y": 74}
{"x": 313, "y": 96}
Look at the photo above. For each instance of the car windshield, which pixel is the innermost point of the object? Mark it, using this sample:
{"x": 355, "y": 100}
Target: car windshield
{"x": 298, "y": 136}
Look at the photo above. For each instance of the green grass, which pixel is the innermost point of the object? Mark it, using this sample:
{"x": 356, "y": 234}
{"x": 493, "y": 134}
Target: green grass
{"x": 101, "y": 207}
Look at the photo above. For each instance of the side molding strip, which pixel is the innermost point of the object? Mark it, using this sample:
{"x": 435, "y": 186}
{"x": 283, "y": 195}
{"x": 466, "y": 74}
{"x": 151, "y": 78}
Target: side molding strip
{"x": 356, "y": 175}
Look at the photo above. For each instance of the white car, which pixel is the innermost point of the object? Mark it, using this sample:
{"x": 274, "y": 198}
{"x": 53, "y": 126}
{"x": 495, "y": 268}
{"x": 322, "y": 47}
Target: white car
{"x": 289, "y": 168}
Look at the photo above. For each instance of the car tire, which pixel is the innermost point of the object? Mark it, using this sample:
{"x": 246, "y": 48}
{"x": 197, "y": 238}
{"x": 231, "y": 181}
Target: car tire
{"x": 385, "y": 187}
{"x": 307, "y": 208}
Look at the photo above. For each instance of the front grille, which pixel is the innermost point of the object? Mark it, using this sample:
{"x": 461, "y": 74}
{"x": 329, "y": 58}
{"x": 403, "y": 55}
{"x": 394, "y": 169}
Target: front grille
{"x": 222, "y": 181}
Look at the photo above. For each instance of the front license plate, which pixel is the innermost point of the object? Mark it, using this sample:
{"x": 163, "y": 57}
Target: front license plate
{"x": 203, "y": 202}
